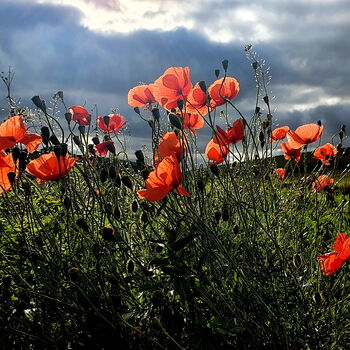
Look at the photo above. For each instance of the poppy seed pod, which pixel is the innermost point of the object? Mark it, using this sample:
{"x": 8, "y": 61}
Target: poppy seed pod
{"x": 127, "y": 182}
{"x": 217, "y": 72}
{"x": 103, "y": 175}
{"x": 95, "y": 140}
{"x": 91, "y": 149}
{"x": 134, "y": 206}
{"x": 225, "y": 65}
{"x": 81, "y": 223}
{"x": 257, "y": 110}
{"x": 45, "y": 134}
{"x": 54, "y": 140}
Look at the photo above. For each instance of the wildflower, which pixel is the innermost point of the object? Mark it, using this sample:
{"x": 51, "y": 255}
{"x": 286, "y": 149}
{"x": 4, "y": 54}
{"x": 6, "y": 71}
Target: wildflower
{"x": 290, "y": 152}
{"x": 111, "y": 122}
{"x": 103, "y": 147}
{"x": 325, "y": 152}
{"x": 7, "y": 169}
{"x": 304, "y": 135}
{"x": 141, "y": 95}
{"x": 223, "y": 89}
{"x": 321, "y": 182}
{"x": 279, "y": 133}
{"x": 49, "y": 167}
{"x": 175, "y": 84}
{"x": 234, "y": 134}
{"x": 280, "y": 173}
{"x": 80, "y": 115}
{"x": 331, "y": 262}
{"x": 197, "y": 101}
{"x": 171, "y": 144}
{"x": 193, "y": 121}
{"x": 216, "y": 150}
{"x": 13, "y": 131}
{"x": 165, "y": 178}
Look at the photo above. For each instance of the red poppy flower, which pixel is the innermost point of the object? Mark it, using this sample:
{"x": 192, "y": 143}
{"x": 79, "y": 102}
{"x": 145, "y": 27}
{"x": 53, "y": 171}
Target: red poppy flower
{"x": 13, "y": 131}
{"x": 175, "y": 84}
{"x": 193, "y": 121}
{"x": 290, "y": 152}
{"x": 216, "y": 150}
{"x": 48, "y": 167}
{"x": 325, "y": 152}
{"x": 165, "y": 178}
{"x": 234, "y": 134}
{"x": 80, "y": 115}
{"x": 321, "y": 182}
{"x": 304, "y": 135}
{"x": 103, "y": 147}
{"x": 111, "y": 122}
{"x": 223, "y": 89}
{"x": 141, "y": 95}
{"x": 280, "y": 173}
{"x": 7, "y": 166}
{"x": 279, "y": 133}
{"x": 171, "y": 144}
{"x": 331, "y": 262}
{"x": 197, "y": 101}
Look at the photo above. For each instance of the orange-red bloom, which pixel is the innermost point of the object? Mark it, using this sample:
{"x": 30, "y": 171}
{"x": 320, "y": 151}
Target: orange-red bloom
{"x": 280, "y": 173}
{"x": 223, "y": 89}
{"x": 103, "y": 147}
{"x": 325, "y": 152}
{"x": 7, "y": 166}
{"x": 216, "y": 150}
{"x": 171, "y": 144}
{"x": 304, "y": 135}
{"x": 197, "y": 101}
{"x": 48, "y": 167}
{"x": 234, "y": 133}
{"x": 321, "y": 182}
{"x": 175, "y": 84}
{"x": 279, "y": 133}
{"x": 165, "y": 178}
{"x": 331, "y": 262}
{"x": 13, "y": 131}
{"x": 80, "y": 115}
{"x": 111, "y": 122}
{"x": 141, "y": 95}
{"x": 193, "y": 121}
{"x": 290, "y": 152}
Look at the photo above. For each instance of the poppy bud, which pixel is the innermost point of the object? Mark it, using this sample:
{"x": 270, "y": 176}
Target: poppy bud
{"x": 159, "y": 248}
{"x": 76, "y": 140}
{"x": 11, "y": 176}
{"x": 217, "y": 216}
{"x": 139, "y": 155}
{"x": 15, "y": 153}
{"x": 103, "y": 175}
{"x": 265, "y": 123}
{"x": 203, "y": 86}
{"x": 108, "y": 234}
{"x": 96, "y": 250}
{"x": 64, "y": 149}
{"x": 137, "y": 110}
{"x": 145, "y": 206}
{"x": 157, "y": 297}
{"x": 6, "y": 280}
{"x": 81, "y": 223}
{"x": 54, "y": 140}
{"x": 261, "y": 136}
{"x": 111, "y": 147}
{"x": 257, "y": 110}
{"x": 235, "y": 229}
{"x": 117, "y": 213}
{"x": 341, "y": 135}
{"x": 200, "y": 185}
{"x": 319, "y": 122}
{"x": 180, "y": 104}
{"x": 68, "y": 117}
{"x": 45, "y": 134}
{"x": 130, "y": 266}
{"x": 118, "y": 181}
{"x": 37, "y": 101}
{"x": 95, "y": 140}
{"x": 91, "y": 149}
{"x": 225, "y": 214}
{"x": 66, "y": 202}
{"x": 144, "y": 218}
{"x": 255, "y": 65}
{"x": 266, "y": 99}
{"x": 106, "y": 120}
{"x": 262, "y": 144}
{"x": 156, "y": 114}
{"x": 343, "y": 128}
{"x": 175, "y": 121}
{"x": 318, "y": 299}
{"x": 57, "y": 151}
{"x": 26, "y": 188}
{"x": 145, "y": 173}
{"x": 217, "y": 72}
{"x": 81, "y": 129}
{"x": 134, "y": 206}
{"x": 214, "y": 169}
{"x": 23, "y": 251}
{"x": 225, "y": 65}
{"x": 74, "y": 273}
{"x": 112, "y": 172}
{"x": 150, "y": 123}
{"x": 297, "y": 260}
{"x": 339, "y": 146}
{"x": 127, "y": 182}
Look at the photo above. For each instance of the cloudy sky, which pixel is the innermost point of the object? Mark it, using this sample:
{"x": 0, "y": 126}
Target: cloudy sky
{"x": 96, "y": 50}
